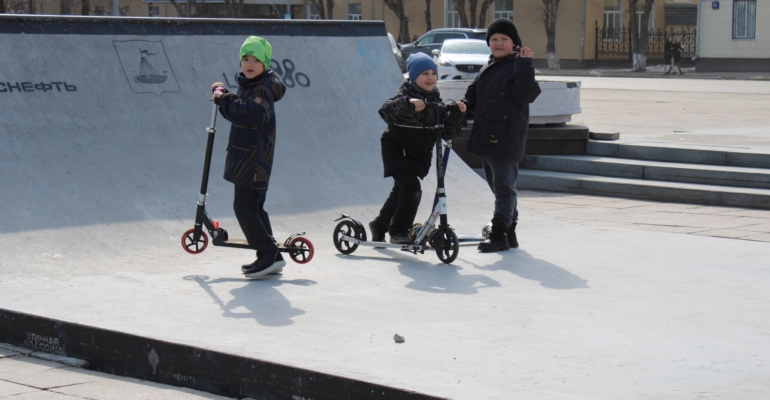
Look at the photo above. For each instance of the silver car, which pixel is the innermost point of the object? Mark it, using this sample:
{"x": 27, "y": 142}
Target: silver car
{"x": 461, "y": 58}
{"x": 397, "y": 53}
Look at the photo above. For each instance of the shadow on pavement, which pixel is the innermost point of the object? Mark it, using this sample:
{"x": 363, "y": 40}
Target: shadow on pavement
{"x": 257, "y": 299}
{"x": 522, "y": 264}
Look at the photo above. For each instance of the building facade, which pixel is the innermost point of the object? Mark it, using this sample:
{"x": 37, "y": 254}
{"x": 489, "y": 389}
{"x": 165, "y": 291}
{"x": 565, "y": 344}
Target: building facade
{"x": 585, "y": 29}
{"x": 734, "y": 36}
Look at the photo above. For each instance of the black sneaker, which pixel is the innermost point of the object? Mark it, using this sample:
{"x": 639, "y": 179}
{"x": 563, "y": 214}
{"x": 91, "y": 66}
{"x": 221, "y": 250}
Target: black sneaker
{"x": 377, "y": 236}
{"x": 400, "y": 238}
{"x": 278, "y": 260}
{"x": 265, "y": 264}
{"x": 512, "y": 241}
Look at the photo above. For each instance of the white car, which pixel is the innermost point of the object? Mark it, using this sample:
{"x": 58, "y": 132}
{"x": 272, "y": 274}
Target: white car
{"x": 461, "y": 58}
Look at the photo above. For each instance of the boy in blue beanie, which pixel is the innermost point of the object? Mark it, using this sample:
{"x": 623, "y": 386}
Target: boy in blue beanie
{"x": 500, "y": 96}
{"x": 407, "y": 147}
{"x": 251, "y": 148}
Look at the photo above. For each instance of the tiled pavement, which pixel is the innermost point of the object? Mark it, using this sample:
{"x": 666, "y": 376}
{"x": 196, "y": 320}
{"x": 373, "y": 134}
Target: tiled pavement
{"x": 27, "y": 378}
{"x": 691, "y": 219}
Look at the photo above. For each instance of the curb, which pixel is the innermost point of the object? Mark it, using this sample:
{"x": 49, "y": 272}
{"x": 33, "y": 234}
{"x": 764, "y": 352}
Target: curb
{"x": 229, "y": 375}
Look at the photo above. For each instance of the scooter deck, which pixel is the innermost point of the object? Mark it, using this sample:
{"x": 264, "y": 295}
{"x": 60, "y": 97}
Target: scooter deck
{"x": 243, "y": 244}
{"x": 470, "y": 238}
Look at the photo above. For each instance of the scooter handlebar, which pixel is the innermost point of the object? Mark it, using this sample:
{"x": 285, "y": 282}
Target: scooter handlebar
{"x": 445, "y": 105}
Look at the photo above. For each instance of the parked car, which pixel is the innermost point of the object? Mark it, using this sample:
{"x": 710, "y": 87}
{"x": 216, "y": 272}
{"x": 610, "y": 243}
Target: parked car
{"x": 461, "y": 58}
{"x": 397, "y": 53}
{"x": 436, "y": 37}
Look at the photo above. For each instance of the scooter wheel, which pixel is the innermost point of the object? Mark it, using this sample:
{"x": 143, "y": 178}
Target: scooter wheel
{"x": 447, "y": 246}
{"x": 305, "y": 252}
{"x": 193, "y": 246}
{"x": 345, "y": 228}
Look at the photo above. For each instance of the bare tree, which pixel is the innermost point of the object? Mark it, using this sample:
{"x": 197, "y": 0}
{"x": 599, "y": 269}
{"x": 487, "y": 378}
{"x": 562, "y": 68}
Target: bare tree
{"x": 483, "y": 13}
{"x": 66, "y": 7}
{"x": 180, "y": 9}
{"x": 550, "y": 12}
{"x": 427, "y": 15}
{"x": 233, "y": 8}
{"x": 324, "y": 11}
{"x": 473, "y": 6}
{"x": 461, "y": 12}
{"x": 639, "y": 42}
{"x": 397, "y": 6}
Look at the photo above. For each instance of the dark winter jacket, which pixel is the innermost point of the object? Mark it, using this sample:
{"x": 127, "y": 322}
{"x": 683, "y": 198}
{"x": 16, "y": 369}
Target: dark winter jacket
{"x": 500, "y": 97}
{"x": 408, "y": 142}
{"x": 252, "y": 135}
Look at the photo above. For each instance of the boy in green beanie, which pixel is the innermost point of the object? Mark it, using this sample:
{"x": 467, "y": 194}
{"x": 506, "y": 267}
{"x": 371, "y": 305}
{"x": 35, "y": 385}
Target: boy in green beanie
{"x": 251, "y": 147}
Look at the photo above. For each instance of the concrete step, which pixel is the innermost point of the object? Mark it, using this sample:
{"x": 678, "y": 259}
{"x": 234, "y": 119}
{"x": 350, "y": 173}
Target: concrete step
{"x": 694, "y": 154}
{"x": 653, "y": 170}
{"x": 644, "y": 189}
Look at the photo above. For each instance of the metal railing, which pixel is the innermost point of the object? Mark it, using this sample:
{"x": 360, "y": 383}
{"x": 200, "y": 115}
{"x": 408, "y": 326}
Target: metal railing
{"x": 614, "y": 45}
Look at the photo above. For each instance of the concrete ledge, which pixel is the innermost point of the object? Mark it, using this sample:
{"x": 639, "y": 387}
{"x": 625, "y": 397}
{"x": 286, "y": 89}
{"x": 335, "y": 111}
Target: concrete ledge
{"x": 175, "y": 364}
{"x": 644, "y": 189}
{"x": 719, "y": 175}
{"x": 674, "y": 153}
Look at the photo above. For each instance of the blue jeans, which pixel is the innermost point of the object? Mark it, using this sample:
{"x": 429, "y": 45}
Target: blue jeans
{"x": 502, "y": 174}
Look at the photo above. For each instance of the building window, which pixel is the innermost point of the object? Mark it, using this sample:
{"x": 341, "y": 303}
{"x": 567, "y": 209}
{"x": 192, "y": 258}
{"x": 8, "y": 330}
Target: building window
{"x": 354, "y": 11}
{"x": 153, "y": 10}
{"x": 451, "y": 18}
{"x": 503, "y": 9}
{"x": 312, "y": 12}
{"x": 613, "y": 20}
{"x": 744, "y": 19}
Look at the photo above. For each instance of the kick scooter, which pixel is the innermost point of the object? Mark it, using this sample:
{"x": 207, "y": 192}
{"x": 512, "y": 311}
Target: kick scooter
{"x": 194, "y": 240}
{"x": 350, "y": 233}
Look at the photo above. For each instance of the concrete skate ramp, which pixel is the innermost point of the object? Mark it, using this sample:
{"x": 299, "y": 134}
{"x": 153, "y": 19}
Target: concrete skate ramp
{"x": 99, "y": 183}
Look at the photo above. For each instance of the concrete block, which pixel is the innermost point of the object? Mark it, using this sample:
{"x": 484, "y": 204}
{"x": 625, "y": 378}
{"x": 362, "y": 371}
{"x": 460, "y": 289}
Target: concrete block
{"x": 709, "y": 175}
{"x": 550, "y": 181}
{"x": 604, "y": 135}
{"x": 640, "y": 190}
{"x": 602, "y": 149}
{"x": 585, "y": 165}
{"x": 745, "y": 199}
{"x": 752, "y": 160}
{"x": 672, "y": 154}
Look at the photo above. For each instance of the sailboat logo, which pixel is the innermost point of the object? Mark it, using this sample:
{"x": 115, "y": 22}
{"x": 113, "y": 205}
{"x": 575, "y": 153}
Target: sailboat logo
{"x": 148, "y": 74}
{"x": 151, "y": 71}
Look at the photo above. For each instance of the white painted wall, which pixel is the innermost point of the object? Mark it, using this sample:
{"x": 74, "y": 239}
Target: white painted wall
{"x": 717, "y": 35}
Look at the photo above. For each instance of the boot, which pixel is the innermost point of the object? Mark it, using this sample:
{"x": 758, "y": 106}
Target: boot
{"x": 680, "y": 71}
{"x": 512, "y": 242}
{"x": 498, "y": 239}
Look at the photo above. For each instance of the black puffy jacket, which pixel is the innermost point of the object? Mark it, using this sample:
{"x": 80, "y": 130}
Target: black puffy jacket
{"x": 500, "y": 97}
{"x": 252, "y": 135}
{"x": 408, "y": 142}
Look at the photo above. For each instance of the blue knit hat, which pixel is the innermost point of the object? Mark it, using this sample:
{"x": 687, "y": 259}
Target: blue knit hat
{"x": 418, "y": 63}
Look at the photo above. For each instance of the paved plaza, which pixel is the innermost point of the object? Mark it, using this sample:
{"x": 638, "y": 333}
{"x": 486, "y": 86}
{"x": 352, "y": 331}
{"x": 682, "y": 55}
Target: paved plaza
{"x": 606, "y": 298}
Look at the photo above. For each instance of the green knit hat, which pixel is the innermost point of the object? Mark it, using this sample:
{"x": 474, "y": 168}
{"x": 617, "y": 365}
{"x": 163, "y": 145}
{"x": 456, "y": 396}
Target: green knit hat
{"x": 259, "y": 48}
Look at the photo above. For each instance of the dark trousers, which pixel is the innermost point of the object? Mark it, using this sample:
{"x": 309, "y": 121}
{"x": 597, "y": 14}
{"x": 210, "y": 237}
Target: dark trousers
{"x": 502, "y": 174}
{"x": 249, "y": 205}
{"x": 399, "y": 210}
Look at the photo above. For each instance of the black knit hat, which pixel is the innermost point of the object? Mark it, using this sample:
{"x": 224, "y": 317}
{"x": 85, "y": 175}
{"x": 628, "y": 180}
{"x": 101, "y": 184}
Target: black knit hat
{"x": 506, "y": 27}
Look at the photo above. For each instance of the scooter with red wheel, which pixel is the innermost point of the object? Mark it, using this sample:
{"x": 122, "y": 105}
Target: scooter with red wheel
{"x": 194, "y": 240}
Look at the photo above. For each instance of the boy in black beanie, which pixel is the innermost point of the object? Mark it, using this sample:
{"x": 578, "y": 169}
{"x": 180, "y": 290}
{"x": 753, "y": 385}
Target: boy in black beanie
{"x": 500, "y": 96}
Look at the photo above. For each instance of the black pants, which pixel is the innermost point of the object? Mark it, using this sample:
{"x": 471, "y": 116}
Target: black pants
{"x": 398, "y": 212}
{"x": 255, "y": 223}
